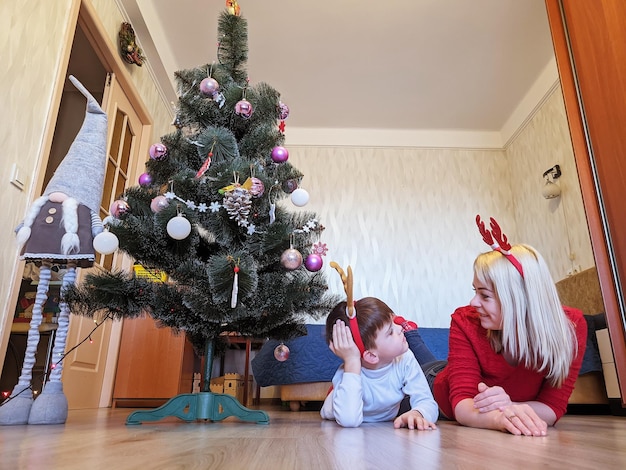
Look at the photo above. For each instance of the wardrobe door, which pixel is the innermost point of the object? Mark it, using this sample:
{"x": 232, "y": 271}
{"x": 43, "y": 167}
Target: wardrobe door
{"x": 590, "y": 46}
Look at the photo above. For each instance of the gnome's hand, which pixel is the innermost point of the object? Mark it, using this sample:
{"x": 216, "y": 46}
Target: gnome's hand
{"x": 96, "y": 224}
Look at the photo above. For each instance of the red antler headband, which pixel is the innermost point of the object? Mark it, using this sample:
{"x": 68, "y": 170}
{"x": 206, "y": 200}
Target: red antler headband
{"x": 350, "y": 305}
{"x": 498, "y": 241}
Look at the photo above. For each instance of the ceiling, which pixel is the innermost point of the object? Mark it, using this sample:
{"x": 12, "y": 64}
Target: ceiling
{"x": 394, "y": 64}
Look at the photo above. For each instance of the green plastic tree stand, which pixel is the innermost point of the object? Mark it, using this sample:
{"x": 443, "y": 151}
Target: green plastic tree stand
{"x": 204, "y": 405}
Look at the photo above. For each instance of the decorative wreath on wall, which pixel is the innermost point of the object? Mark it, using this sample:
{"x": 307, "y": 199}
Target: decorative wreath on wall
{"x": 130, "y": 50}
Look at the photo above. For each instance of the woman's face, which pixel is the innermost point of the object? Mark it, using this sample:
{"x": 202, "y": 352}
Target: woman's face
{"x": 487, "y": 306}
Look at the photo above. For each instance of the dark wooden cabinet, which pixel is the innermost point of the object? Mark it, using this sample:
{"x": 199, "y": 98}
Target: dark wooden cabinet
{"x": 590, "y": 47}
{"x": 154, "y": 365}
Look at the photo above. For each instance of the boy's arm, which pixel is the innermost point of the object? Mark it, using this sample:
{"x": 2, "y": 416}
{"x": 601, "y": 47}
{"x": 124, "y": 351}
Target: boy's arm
{"x": 416, "y": 387}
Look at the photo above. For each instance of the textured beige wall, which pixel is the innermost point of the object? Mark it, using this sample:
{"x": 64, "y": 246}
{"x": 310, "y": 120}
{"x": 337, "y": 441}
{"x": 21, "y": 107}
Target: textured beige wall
{"x": 404, "y": 218}
{"x": 557, "y": 227}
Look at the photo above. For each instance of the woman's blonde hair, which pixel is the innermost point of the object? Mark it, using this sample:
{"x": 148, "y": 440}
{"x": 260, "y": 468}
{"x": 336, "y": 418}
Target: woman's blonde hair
{"x": 535, "y": 329}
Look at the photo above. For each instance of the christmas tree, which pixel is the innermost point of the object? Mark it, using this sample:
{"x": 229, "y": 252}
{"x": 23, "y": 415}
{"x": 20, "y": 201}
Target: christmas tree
{"x": 205, "y": 216}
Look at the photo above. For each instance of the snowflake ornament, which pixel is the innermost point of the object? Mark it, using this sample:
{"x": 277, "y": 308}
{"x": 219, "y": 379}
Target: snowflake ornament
{"x": 320, "y": 249}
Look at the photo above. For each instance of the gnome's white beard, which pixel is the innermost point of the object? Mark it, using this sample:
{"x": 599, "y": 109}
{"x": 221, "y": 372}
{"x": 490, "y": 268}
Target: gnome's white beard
{"x": 70, "y": 243}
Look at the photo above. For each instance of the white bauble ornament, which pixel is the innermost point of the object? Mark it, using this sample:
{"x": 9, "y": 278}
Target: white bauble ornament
{"x": 105, "y": 242}
{"x": 300, "y": 197}
{"x": 178, "y": 227}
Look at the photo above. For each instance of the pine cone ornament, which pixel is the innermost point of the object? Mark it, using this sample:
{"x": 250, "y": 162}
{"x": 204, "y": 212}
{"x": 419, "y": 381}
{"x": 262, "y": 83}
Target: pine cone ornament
{"x": 237, "y": 202}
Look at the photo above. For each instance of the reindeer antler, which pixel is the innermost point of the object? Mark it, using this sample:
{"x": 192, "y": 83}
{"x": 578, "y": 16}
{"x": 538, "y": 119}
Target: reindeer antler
{"x": 486, "y": 234}
{"x": 498, "y": 241}
{"x": 347, "y": 287}
{"x": 500, "y": 237}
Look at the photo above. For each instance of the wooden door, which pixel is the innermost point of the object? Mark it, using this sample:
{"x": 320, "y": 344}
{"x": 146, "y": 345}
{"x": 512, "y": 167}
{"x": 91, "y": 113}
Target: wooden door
{"x": 154, "y": 364}
{"x": 84, "y": 368}
{"x": 590, "y": 46}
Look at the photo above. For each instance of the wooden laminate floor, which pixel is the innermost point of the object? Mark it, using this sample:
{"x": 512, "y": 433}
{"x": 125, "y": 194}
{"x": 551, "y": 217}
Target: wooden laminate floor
{"x": 100, "y": 439}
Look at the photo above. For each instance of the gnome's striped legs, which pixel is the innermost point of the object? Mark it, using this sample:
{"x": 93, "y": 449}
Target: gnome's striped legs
{"x": 51, "y": 406}
{"x": 17, "y": 408}
{"x": 64, "y": 320}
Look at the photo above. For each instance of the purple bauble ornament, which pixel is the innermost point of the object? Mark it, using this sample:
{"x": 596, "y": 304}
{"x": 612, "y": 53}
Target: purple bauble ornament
{"x": 291, "y": 259}
{"x": 209, "y": 86}
{"x": 280, "y": 154}
{"x": 313, "y": 262}
{"x": 244, "y": 108}
{"x": 283, "y": 111}
{"x": 258, "y": 188}
{"x": 118, "y": 208}
{"x": 157, "y": 151}
{"x": 159, "y": 203}
{"x": 145, "y": 179}
{"x": 290, "y": 186}
{"x": 281, "y": 352}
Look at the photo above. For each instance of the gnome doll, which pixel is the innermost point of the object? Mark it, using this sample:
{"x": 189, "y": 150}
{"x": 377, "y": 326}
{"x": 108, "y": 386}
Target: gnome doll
{"x": 61, "y": 228}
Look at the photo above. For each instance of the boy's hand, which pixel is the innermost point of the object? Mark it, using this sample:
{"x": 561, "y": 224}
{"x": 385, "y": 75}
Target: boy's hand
{"x": 413, "y": 419}
{"x": 344, "y": 347}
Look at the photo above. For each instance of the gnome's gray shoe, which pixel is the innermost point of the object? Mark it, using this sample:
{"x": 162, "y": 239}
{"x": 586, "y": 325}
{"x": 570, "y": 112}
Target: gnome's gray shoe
{"x": 16, "y": 410}
{"x": 50, "y": 407}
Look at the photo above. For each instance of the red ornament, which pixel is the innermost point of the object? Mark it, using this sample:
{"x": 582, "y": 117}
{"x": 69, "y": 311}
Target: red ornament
{"x": 205, "y": 165}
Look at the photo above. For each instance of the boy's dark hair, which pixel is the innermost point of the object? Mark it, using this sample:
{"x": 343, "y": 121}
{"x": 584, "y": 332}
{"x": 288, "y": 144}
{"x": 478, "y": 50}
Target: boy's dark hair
{"x": 371, "y": 315}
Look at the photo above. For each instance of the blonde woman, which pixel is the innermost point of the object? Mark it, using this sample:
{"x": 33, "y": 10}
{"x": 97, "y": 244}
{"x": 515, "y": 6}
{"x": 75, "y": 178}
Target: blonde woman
{"x": 514, "y": 351}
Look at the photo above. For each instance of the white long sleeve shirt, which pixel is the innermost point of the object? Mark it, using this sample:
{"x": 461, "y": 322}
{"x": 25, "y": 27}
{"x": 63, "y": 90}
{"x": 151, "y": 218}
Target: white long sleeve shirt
{"x": 375, "y": 395}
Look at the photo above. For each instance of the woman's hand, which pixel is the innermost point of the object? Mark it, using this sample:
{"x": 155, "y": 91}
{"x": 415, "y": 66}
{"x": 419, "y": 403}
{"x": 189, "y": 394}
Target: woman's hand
{"x": 413, "y": 419}
{"x": 491, "y": 398}
{"x": 344, "y": 347}
{"x": 521, "y": 419}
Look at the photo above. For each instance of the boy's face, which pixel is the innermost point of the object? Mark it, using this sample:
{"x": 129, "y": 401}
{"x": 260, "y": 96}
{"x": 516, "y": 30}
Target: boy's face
{"x": 390, "y": 342}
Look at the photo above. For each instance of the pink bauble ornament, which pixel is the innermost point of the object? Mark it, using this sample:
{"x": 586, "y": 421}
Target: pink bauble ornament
{"x": 313, "y": 262}
{"x": 118, "y": 208}
{"x": 159, "y": 203}
{"x": 283, "y": 111}
{"x": 289, "y": 186}
{"x": 280, "y": 154}
{"x": 281, "y": 352}
{"x": 145, "y": 179}
{"x": 258, "y": 188}
{"x": 157, "y": 151}
{"x": 291, "y": 259}
{"x": 209, "y": 86}
{"x": 244, "y": 108}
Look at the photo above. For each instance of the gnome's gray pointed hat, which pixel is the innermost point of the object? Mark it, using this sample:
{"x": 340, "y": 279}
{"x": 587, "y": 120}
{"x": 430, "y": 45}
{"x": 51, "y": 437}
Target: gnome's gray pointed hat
{"x": 81, "y": 173}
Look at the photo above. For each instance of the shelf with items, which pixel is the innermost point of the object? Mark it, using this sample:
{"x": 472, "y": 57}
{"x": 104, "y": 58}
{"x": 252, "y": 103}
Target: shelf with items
{"x": 26, "y": 302}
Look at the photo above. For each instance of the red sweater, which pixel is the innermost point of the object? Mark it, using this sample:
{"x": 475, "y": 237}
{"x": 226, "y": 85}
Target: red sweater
{"x": 472, "y": 360}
